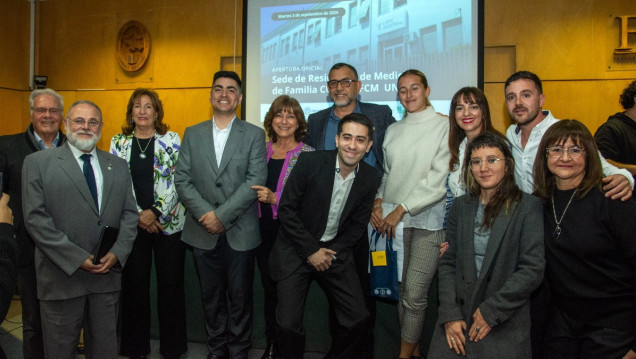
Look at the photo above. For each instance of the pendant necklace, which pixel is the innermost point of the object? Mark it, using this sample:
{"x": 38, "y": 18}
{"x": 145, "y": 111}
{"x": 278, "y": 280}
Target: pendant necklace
{"x": 557, "y": 230}
{"x": 142, "y": 155}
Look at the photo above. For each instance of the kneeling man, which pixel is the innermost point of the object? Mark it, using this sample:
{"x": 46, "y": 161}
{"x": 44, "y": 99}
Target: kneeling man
{"x": 323, "y": 212}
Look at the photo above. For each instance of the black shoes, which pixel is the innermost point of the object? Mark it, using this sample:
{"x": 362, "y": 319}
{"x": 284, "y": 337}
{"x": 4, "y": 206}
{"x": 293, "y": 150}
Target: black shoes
{"x": 271, "y": 351}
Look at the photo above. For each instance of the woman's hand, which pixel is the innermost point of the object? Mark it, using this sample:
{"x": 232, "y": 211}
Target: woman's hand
{"x": 391, "y": 221}
{"x": 455, "y": 336}
{"x": 443, "y": 248}
{"x": 480, "y": 328}
{"x": 265, "y": 195}
{"x": 148, "y": 221}
{"x": 376, "y": 214}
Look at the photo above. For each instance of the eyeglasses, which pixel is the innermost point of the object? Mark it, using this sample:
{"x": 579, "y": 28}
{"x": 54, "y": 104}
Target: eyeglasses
{"x": 490, "y": 162}
{"x": 345, "y": 83}
{"x": 43, "y": 110}
{"x": 80, "y": 122}
{"x": 556, "y": 152}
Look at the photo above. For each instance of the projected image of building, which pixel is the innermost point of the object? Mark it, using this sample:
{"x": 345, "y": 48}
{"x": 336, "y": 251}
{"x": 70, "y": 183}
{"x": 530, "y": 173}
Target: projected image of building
{"x": 381, "y": 38}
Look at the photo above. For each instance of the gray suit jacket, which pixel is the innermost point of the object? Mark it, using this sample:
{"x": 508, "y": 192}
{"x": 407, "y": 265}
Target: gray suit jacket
{"x": 511, "y": 270}
{"x": 203, "y": 186}
{"x": 61, "y": 217}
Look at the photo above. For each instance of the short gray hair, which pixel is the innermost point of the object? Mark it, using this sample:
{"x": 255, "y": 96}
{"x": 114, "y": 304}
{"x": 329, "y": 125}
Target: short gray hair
{"x": 40, "y": 92}
{"x": 85, "y": 102}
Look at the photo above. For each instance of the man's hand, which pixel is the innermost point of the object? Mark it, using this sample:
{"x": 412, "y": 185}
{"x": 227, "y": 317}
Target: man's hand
{"x": 6, "y": 215}
{"x": 149, "y": 222}
{"x": 617, "y": 186}
{"x": 104, "y": 265}
{"x": 630, "y": 355}
{"x": 211, "y": 223}
{"x": 321, "y": 260}
{"x": 455, "y": 336}
{"x": 480, "y": 328}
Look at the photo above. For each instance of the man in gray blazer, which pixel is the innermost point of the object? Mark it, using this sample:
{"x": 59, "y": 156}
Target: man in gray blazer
{"x": 220, "y": 160}
{"x": 69, "y": 195}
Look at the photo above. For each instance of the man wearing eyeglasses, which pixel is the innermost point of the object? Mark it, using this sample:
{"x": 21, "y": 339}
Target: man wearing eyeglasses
{"x": 524, "y": 100}
{"x": 70, "y": 195}
{"x": 43, "y": 133}
{"x": 344, "y": 87}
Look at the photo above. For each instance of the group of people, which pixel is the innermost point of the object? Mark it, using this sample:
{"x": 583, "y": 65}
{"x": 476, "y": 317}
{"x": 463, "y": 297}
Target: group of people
{"x": 520, "y": 275}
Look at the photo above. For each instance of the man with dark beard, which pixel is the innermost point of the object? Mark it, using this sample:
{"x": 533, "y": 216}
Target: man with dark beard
{"x": 70, "y": 195}
{"x": 524, "y": 100}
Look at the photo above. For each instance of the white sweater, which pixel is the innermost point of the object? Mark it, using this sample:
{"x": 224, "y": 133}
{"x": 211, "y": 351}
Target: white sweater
{"x": 416, "y": 159}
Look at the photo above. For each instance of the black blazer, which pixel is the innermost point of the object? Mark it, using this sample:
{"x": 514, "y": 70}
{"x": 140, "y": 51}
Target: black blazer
{"x": 304, "y": 209}
{"x": 380, "y": 115}
{"x": 13, "y": 150}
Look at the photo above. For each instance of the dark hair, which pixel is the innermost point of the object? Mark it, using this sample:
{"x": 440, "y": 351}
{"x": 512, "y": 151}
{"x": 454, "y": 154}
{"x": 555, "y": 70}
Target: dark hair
{"x": 456, "y": 135}
{"x": 285, "y": 103}
{"x": 341, "y": 65}
{"x": 419, "y": 74}
{"x": 508, "y": 192}
{"x": 129, "y": 126}
{"x": 527, "y": 75}
{"x": 357, "y": 118}
{"x": 627, "y": 97}
{"x": 228, "y": 74}
{"x": 558, "y": 134}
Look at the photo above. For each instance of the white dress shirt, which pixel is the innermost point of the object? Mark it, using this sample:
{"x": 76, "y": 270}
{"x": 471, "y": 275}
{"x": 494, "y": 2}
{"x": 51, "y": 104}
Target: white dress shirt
{"x": 524, "y": 157}
{"x": 99, "y": 178}
{"x": 339, "y": 195}
{"x": 220, "y": 139}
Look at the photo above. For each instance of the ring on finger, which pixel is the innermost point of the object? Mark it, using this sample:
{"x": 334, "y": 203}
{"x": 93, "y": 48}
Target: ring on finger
{"x": 477, "y": 328}
{"x": 452, "y": 339}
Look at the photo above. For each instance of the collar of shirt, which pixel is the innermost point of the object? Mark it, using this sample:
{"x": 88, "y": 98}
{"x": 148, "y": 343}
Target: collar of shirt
{"x": 44, "y": 147}
{"x": 218, "y": 130}
{"x": 333, "y": 116}
{"x": 351, "y": 176}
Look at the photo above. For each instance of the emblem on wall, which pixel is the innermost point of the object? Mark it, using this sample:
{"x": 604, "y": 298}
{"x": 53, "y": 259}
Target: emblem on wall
{"x": 133, "y": 46}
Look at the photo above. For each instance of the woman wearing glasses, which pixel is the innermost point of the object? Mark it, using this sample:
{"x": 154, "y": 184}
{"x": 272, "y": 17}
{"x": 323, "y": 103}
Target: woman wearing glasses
{"x": 412, "y": 194}
{"x": 494, "y": 261}
{"x": 151, "y": 152}
{"x": 590, "y": 250}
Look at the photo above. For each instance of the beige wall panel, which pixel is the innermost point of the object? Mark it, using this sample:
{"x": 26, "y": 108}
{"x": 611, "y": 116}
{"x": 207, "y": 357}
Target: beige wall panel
{"x": 14, "y": 116}
{"x": 14, "y": 44}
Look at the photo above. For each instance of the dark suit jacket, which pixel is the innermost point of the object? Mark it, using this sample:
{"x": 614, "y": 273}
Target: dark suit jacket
{"x": 8, "y": 262}
{"x": 13, "y": 150}
{"x": 380, "y": 115}
{"x": 61, "y": 216}
{"x": 203, "y": 186}
{"x": 511, "y": 270}
{"x": 304, "y": 209}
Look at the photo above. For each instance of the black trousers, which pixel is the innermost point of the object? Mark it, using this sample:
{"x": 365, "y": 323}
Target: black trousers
{"x": 568, "y": 338}
{"x": 268, "y": 236}
{"x": 169, "y": 255}
{"x": 342, "y": 286}
{"x": 32, "y": 341}
{"x": 361, "y": 259}
{"x": 227, "y": 278}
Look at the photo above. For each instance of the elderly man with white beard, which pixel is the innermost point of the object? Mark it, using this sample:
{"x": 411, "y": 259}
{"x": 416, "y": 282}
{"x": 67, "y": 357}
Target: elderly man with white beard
{"x": 70, "y": 195}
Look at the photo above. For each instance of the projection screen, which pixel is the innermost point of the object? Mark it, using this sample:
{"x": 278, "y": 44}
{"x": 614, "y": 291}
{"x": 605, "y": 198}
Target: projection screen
{"x": 290, "y": 46}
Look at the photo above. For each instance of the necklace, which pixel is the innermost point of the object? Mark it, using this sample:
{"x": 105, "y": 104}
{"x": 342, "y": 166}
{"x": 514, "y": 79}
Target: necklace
{"x": 142, "y": 155}
{"x": 557, "y": 230}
